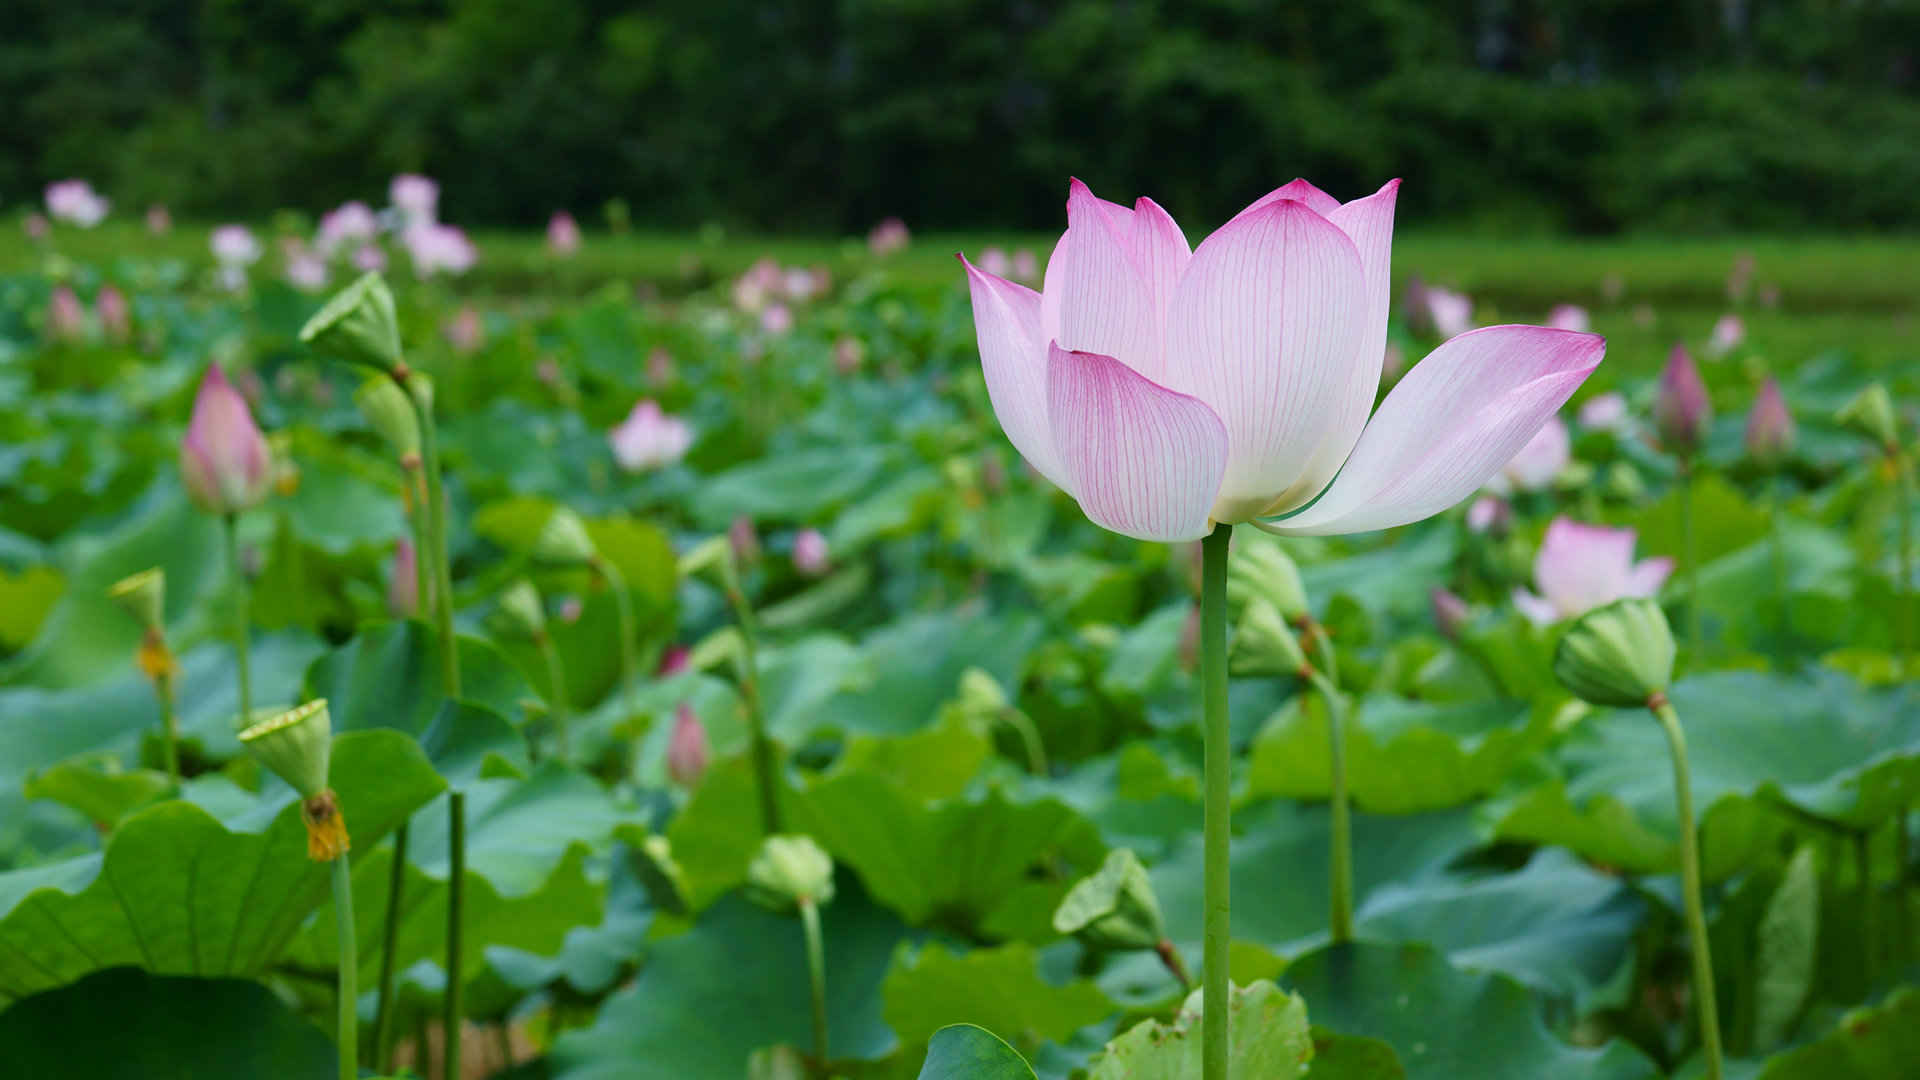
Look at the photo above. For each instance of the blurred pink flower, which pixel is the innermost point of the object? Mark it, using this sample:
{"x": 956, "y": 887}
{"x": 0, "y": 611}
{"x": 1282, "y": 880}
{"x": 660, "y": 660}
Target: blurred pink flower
{"x": 1449, "y": 312}
{"x": 687, "y": 748}
{"x": 1449, "y": 612}
{"x": 848, "y": 354}
{"x": 433, "y": 247}
{"x": 810, "y": 553}
{"x": 1682, "y": 411}
{"x": 159, "y": 221}
{"x": 571, "y": 609}
{"x": 888, "y": 237}
{"x": 116, "y": 318}
{"x": 659, "y": 366}
{"x": 36, "y": 226}
{"x": 1169, "y": 389}
{"x": 347, "y": 224}
{"x": 416, "y": 197}
{"x": 403, "y": 581}
{"x": 1489, "y": 513}
{"x": 223, "y": 458}
{"x": 1606, "y": 412}
{"x": 745, "y": 541}
{"x": 235, "y": 249}
{"x": 673, "y": 661}
{"x": 1770, "y": 430}
{"x": 1727, "y": 335}
{"x": 649, "y": 438}
{"x": 776, "y": 319}
{"x": 1581, "y": 567}
{"x": 465, "y": 332}
{"x": 563, "y": 234}
{"x": 306, "y": 268}
{"x": 1613, "y": 287}
{"x": 1026, "y": 265}
{"x": 1542, "y": 459}
{"x": 1570, "y": 317}
{"x": 369, "y": 257}
{"x": 995, "y": 262}
{"x": 66, "y": 316}
{"x": 76, "y": 203}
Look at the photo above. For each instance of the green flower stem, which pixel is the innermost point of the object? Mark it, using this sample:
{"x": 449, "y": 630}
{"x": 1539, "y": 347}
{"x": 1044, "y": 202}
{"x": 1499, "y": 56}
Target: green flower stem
{"x": 1779, "y": 544}
{"x": 1340, "y": 865}
{"x": 1692, "y": 557}
{"x": 749, "y": 675}
{"x": 349, "y": 962}
{"x": 817, "y": 976}
{"x": 170, "y": 722}
{"x": 1709, "y": 1011}
{"x": 389, "y": 944}
{"x": 240, "y": 643}
{"x": 557, "y": 700}
{"x": 1903, "y": 596}
{"x": 435, "y": 517}
{"x": 424, "y": 575}
{"x": 1029, "y": 733}
{"x": 456, "y": 888}
{"x": 623, "y": 606}
{"x": 1219, "y": 802}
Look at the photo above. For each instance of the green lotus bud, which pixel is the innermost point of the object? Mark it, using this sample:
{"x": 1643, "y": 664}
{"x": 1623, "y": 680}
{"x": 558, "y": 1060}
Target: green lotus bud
{"x": 522, "y": 604}
{"x": 390, "y": 412}
{"x": 359, "y": 325}
{"x": 1261, "y": 568}
{"x": 143, "y": 596}
{"x": 564, "y": 539}
{"x": 1114, "y": 908}
{"x": 981, "y": 694}
{"x": 1871, "y": 414}
{"x": 790, "y": 870}
{"x": 1263, "y": 643}
{"x": 1619, "y": 655}
{"x": 296, "y": 745}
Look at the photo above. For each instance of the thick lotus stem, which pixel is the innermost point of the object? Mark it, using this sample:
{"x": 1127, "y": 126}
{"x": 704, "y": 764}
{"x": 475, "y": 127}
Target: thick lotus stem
{"x": 1219, "y": 802}
{"x": 239, "y": 618}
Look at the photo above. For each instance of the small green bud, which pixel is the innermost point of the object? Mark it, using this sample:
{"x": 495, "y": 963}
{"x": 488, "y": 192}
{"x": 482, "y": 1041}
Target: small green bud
{"x": 564, "y": 539}
{"x": 1260, "y": 568}
{"x": 1619, "y": 655}
{"x": 1263, "y": 643}
{"x": 521, "y": 602}
{"x": 389, "y": 412}
{"x": 1114, "y": 908}
{"x": 143, "y": 596}
{"x": 790, "y": 870}
{"x": 1871, "y": 414}
{"x": 296, "y": 745}
{"x": 359, "y": 325}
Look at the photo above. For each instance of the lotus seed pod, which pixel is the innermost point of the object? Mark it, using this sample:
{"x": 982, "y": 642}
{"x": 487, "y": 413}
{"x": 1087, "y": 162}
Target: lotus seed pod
{"x": 1114, "y": 908}
{"x": 1619, "y": 655}
{"x": 564, "y": 539}
{"x": 521, "y": 602}
{"x": 390, "y": 412}
{"x": 359, "y": 325}
{"x": 1263, "y": 643}
{"x": 790, "y": 870}
{"x": 143, "y": 596}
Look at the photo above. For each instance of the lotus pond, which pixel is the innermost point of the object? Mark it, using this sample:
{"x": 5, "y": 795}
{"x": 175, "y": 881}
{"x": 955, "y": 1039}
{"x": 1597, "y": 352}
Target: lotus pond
{"x": 735, "y": 546}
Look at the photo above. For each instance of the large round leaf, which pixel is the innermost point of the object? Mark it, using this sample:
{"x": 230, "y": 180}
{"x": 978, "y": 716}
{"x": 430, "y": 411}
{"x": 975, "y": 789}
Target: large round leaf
{"x": 970, "y": 1052}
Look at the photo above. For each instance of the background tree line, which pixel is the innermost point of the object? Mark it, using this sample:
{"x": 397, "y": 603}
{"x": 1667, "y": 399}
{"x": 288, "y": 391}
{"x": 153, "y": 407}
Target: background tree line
{"x": 1591, "y": 115}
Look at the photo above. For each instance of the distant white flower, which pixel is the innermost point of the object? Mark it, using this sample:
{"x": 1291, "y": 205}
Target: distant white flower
{"x": 434, "y": 247}
{"x": 1569, "y": 317}
{"x": 235, "y": 246}
{"x": 1728, "y": 333}
{"x": 75, "y": 202}
{"x": 348, "y": 223}
{"x": 810, "y": 553}
{"x": 1451, "y": 312}
{"x": 563, "y": 234}
{"x": 1606, "y": 412}
{"x": 649, "y": 438}
{"x": 416, "y": 197}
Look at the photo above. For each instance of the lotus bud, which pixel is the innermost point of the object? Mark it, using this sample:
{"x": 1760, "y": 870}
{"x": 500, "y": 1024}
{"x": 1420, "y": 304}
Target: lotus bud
{"x": 359, "y": 325}
{"x": 744, "y": 541}
{"x": 1619, "y": 655}
{"x": 1871, "y": 414}
{"x": 673, "y": 661}
{"x": 390, "y": 412}
{"x": 1490, "y": 514}
{"x": 1260, "y": 568}
{"x": 788, "y": 871}
{"x": 143, "y": 596}
{"x": 403, "y": 581}
{"x": 687, "y": 749}
{"x": 296, "y": 745}
{"x": 564, "y": 539}
{"x": 224, "y": 459}
{"x": 1263, "y": 643}
{"x": 1682, "y": 412}
{"x": 116, "y": 318}
{"x": 1450, "y": 613}
{"x": 1770, "y": 430}
{"x": 1114, "y": 908}
{"x": 810, "y": 553}
{"x": 522, "y": 604}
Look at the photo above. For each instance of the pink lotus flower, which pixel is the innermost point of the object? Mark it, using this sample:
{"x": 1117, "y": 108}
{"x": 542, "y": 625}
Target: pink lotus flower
{"x": 674, "y": 660}
{"x": 306, "y": 268}
{"x": 810, "y": 553}
{"x": 888, "y": 237}
{"x": 36, "y": 226}
{"x": 1727, "y": 335}
{"x": 1026, "y": 266}
{"x": 848, "y": 354}
{"x": 996, "y": 262}
{"x": 1450, "y": 313}
{"x": 777, "y": 319}
{"x": 416, "y": 197}
{"x": 464, "y": 331}
{"x": 66, "y": 316}
{"x": 687, "y": 748}
{"x": 649, "y": 438}
{"x": 403, "y": 581}
{"x": 1606, "y": 412}
{"x": 159, "y": 221}
{"x": 370, "y": 257}
{"x": 434, "y": 248}
{"x": 224, "y": 459}
{"x": 1169, "y": 389}
{"x": 1682, "y": 412}
{"x": 234, "y": 245}
{"x": 1570, "y": 317}
{"x": 347, "y": 224}
{"x": 1581, "y": 567}
{"x": 76, "y": 203}
{"x": 563, "y": 234}
{"x": 116, "y": 318}
{"x": 1770, "y": 430}
{"x": 1489, "y": 513}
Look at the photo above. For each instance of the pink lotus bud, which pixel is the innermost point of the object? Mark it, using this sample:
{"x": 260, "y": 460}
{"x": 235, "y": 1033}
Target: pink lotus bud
{"x": 464, "y": 331}
{"x": 1448, "y": 313}
{"x": 776, "y": 319}
{"x": 1570, "y": 317}
{"x": 848, "y": 354}
{"x": 1682, "y": 412}
{"x": 659, "y": 366}
{"x": 116, "y": 319}
{"x": 36, "y": 226}
{"x": 1728, "y": 333}
{"x": 1449, "y": 613}
{"x": 744, "y": 540}
{"x": 403, "y": 581}
{"x": 1026, "y": 266}
{"x": 810, "y": 553}
{"x": 1489, "y": 514}
{"x": 687, "y": 749}
{"x": 224, "y": 459}
{"x": 416, "y": 197}
{"x": 888, "y": 237}
{"x": 649, "y": 438}
{"x": 1581, "y": 567}
{"x": 996, "y": 262}
{"x": 159, "y": 221}
{"x": 66, "y": 318}
{"x": 563, "y": 234}
{"x": 674, "y": 660}
{"x": 1770, "y": 430}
